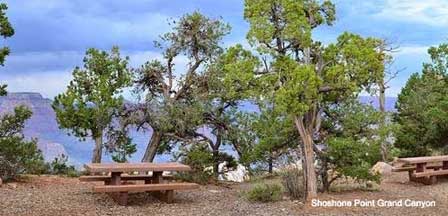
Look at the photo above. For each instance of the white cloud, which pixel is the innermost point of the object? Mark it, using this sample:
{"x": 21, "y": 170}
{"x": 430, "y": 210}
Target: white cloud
{"x": 412, "y": 50}
{"x": 48, "y": 83}
{"x": 429, "y": 12}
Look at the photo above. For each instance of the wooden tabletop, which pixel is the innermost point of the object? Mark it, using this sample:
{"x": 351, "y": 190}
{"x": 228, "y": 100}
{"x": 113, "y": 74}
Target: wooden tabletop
{"x": 428, "y": 159}
{"x": 135, "y": 167}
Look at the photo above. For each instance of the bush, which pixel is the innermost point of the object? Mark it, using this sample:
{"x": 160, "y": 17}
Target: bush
{"x": 198, "y": 158}
{"x": 59, "y": 166}
{"x": 264, "y": 193}
{"x": 292, "y": 180}
{"x": 17, "y": 155}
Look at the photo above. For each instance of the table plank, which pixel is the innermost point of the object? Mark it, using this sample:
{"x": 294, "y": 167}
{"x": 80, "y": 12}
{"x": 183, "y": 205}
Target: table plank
{"x": 135, "y": 167}
{"x": 428, "y": 159}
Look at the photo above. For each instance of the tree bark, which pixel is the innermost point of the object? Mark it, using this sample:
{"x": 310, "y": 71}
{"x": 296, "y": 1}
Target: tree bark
{"x": 324, "y": 174}
{"x": 382, "y": 105}
{"x": 308, "y": 158}
{"x": 215, "y": 163}
{"x": 215, "y": 149}
{"x": 98, "y": 149}
{"x": 270, "y": 162}
{"x": 152, "y": 147}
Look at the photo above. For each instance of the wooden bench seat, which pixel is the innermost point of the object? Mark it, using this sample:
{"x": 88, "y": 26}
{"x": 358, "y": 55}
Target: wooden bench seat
{"x": 412, "y": 168}
{"x": 164, "y": 191}
{"x": 123, "y": 177}
{"x": 430, "y": 173}
{"x": 145, "y": 187}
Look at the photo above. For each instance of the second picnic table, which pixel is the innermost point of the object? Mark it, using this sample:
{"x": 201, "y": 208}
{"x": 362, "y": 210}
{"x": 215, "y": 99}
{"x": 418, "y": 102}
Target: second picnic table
{"x": 426, "y": 169}
{"x": 124, "y": 172}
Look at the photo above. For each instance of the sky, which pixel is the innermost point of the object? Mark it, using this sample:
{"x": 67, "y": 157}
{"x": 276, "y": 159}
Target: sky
{"x": 51, "y": 36}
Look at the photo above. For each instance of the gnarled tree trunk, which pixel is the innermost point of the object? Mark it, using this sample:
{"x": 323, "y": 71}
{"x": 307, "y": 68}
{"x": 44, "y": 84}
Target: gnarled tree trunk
{"x": 308, "y": 158}
{"x": 98, "y": 149}
{"x": 382, "y": 103}
{"x": 152, "y": 147}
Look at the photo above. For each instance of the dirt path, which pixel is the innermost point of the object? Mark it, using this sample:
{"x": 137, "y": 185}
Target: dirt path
{"x": 51, "y": 195}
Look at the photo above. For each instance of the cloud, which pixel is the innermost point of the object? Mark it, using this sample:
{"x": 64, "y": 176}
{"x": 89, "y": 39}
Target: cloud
{"x": 48, "y": 83}
{"x": 428, "y": 12}
{"x": 64, "y": 25}
{"x": 50, "y": 72}
{"x": 412, "y": 50}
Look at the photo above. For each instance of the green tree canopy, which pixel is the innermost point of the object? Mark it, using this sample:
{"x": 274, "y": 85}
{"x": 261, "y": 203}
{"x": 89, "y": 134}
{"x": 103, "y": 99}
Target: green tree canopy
{"x": 170, "y": 105}
{"x": 422, "y": 108}
{"x": 301, "y": 74}
{"x": 6, "y": 30}
{"x": 93, "y": 98}
{"x": 17, "y": 155}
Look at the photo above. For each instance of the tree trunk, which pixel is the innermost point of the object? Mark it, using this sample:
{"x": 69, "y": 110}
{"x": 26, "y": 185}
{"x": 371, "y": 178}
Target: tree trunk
{"x": 382, "y": 104}
{"x": 324, "y": 174}
{"x": 270, "y": 161}
{"x": 215, "y": 149}
{"x": 152, "y": 147}
{"x": 308, "y": 158}
{"x": 215, "y": 163}
{"x": 98, "y": 149}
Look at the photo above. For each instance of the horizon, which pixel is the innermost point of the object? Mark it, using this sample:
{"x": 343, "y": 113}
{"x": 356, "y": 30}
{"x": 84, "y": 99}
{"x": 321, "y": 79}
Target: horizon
{"x": 52, "y": 37}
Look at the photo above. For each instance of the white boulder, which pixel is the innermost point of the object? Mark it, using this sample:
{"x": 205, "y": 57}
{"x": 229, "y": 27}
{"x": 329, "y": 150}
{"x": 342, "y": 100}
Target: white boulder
{"x": 381, "y": 168}
{"x": 240, "y": 174}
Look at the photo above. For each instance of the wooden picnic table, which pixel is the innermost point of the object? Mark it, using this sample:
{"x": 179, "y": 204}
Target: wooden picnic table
{"x": 120, "y": 171}
{"x": 425, "y": 171}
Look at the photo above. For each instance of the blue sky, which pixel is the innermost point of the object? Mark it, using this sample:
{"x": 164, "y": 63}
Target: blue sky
{"x": 52, "y": 35}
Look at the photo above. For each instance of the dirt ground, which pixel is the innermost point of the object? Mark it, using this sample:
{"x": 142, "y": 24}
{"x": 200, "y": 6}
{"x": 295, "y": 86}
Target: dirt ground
{"x": 51, "y": 195}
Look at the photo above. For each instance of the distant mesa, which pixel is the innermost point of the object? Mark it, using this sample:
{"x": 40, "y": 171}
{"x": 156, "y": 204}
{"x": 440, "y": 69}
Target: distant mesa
{"x": 24, "y": 96}
{"x": 42, "y": 124}
{"x": 54, "y": 141}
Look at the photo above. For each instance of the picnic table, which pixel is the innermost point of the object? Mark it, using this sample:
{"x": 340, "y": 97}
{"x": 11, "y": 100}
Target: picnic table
{"x": 425, "y": 169}
{"x": 116, "y": 176}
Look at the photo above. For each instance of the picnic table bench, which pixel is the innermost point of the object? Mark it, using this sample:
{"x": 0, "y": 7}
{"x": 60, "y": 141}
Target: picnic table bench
{"x": 424, "y": 169}
{"x": 117, "y": 175}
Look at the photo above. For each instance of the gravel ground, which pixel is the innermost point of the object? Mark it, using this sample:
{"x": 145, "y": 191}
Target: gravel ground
{"x": 50, "y": 195}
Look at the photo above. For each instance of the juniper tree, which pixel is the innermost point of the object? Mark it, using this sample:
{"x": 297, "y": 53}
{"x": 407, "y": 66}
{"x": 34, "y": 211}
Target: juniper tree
{"x": 93, "y": 98}
{"x": 300, "y": 73}
{"x": 169, "y": 106}
{"x": 422, "y": 108}
{"x": 6, "y": 30}
{"x": 18, "y": 155}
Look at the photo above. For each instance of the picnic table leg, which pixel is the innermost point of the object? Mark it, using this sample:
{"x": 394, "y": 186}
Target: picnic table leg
{"x": 445, "y": 165}
{"x": 121, "y": 197}
{"x": 166, "y": 196}
{"x": 429, "y": 180}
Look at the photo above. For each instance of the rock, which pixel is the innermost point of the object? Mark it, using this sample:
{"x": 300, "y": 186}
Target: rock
{"x": 381, "y": 168}
{"x": 222, "y": 167}
{"x": 12, "y": 185}
{"x": 239, "y": 175}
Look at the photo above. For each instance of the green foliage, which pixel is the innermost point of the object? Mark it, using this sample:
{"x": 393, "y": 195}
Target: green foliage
{"x": 59, "y": 166}
{"x": 263, "y": 192}
{"x": 198, "y": 157}
{"x": 422, "y": 108}
{"x": 6, "y": 30}
{"x": 353, "y": 141}
{"x": 17, "y": 155}
{"x": 292, "y": 180}
{"x": 354, "y": 158}
{"x": 263, "y": 137}
{"x": 171, "y": 104}
{"x": 119, "y": 144}
{"x": 288, "y": 19}
{"x": 92, "y": 98}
